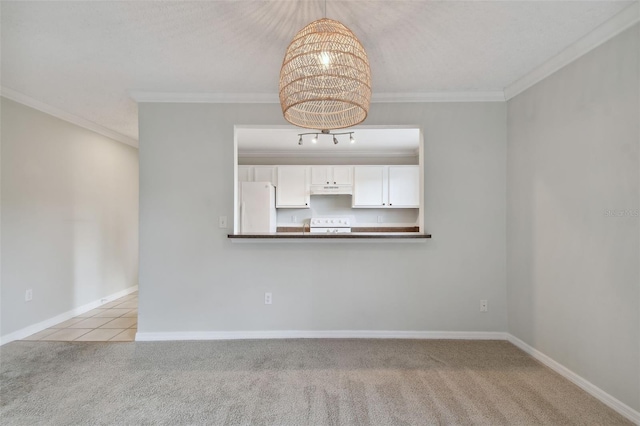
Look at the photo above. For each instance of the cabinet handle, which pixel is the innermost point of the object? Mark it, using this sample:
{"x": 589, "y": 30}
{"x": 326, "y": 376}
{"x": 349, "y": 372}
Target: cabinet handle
{"x": 384, "y": 204}
{"x": 390, "y": 204}
{"x": 334, "y": 183}
{"x": 327, "y": 182}
{"x": 306, "y": 204}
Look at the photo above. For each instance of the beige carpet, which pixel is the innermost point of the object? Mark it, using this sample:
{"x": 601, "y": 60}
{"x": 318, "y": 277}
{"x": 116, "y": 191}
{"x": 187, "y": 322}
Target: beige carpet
{"x": 287, "y": 382}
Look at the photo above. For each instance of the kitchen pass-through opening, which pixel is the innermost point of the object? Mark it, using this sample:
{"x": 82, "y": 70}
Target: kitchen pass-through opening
{"x": 371, "y": 180}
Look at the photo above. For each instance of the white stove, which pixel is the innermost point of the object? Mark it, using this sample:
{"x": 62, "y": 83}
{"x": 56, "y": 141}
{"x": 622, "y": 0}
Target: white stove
{"x": 330, "y": 225}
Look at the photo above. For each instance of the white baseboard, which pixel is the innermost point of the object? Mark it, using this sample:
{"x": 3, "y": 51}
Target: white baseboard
{"x": 318, "y": 334}
{"x": 581, "y": 382}
{"x": 32, "y": 329}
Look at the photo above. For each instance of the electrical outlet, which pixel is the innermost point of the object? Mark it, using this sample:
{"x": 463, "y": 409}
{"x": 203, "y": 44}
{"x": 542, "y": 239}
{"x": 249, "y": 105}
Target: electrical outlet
{"x": 222, "y": 221}
{"x": 380, "y": 219}
{"x": 484, "y": 306}
{"x": 28, "y": 295}
{"x": 267, "y": 299}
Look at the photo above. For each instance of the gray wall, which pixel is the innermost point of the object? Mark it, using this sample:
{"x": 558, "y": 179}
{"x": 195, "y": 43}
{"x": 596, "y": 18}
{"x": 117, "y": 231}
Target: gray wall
{"x": 69, "y": 216}
{"x": 572, "y": 221}
{"x": 192, "y": 278}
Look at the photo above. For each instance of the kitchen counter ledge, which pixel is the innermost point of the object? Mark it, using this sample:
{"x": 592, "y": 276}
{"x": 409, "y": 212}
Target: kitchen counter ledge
{"x": 353, "y": 236}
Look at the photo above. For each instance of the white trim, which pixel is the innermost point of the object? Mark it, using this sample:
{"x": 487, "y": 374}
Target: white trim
{"x": 471, "y": 96}
{"x": 327, "y": 153}
{"x": 317, "y": 334}
{"x": 43, "y": 325}
{"x": 204, "y": 97}
{"x": 581, "y": 382}
{"x": 66, "y": 116}
{"x": 271, "y": 98}
{"x": 609, "y": 29}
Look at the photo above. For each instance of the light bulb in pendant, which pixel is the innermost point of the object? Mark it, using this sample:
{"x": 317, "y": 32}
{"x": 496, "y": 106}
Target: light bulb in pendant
{"x": 352, "y": 139}
{"x": 325, "y": 59}
{"x": 315, "y": 139}
{"x": 300, "y": 141}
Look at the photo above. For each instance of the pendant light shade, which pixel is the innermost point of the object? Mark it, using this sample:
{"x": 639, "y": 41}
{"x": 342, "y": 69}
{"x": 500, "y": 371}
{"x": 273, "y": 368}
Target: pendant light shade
{"x": 325, "y": 80}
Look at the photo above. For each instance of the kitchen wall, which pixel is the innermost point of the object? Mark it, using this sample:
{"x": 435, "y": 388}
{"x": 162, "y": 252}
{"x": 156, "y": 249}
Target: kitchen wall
{"x": 340, "y": 206}
{"x": 262, "y": 161}
{"x": 572, "y": 222}
{"x": 193, "y": 278}
{"x": 69, "y": 216}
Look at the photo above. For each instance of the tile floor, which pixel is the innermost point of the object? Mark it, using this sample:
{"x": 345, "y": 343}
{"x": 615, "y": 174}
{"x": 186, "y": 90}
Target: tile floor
{"x": 115, "y": 321}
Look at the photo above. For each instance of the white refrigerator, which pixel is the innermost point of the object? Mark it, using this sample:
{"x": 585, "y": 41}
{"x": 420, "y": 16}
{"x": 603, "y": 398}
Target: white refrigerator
{"x": 258, "y": 208}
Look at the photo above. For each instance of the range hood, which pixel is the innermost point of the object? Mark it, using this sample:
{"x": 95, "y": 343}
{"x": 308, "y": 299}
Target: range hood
{"x": 331, "y": 189}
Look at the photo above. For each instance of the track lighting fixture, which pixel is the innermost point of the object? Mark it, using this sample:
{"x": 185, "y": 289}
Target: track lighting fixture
{"x": 326, "y": 132}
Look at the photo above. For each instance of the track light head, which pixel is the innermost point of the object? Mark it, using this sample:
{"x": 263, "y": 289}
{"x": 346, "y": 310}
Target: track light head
{"x": 314, "y": 135}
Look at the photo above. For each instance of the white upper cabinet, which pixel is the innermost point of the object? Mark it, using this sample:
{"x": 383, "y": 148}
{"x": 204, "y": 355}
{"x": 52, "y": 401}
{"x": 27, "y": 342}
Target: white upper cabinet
{"x": 331, "y": 175}
{"x": 342, "y": 175}
{"x": 245, "y": 173}
{"x": 265, "y": 174}
{"x": 293, "y": 187}
{"x": 373, "y": 186}
{"x": 369, "y": 186}
{"x": 386, "y": 187}
{"x": 320, "y": 175}
{"x": 404, "y": 186}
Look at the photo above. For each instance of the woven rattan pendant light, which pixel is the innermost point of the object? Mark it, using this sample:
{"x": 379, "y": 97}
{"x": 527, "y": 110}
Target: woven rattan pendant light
{"x": 325, "y": 80}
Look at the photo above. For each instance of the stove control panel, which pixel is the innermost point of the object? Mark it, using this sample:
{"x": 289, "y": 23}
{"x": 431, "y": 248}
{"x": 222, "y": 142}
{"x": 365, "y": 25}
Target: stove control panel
{"x": 330, "y": 222}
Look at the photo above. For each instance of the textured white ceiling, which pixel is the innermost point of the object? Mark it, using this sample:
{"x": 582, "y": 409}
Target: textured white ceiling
{"x": 84, "y": 57}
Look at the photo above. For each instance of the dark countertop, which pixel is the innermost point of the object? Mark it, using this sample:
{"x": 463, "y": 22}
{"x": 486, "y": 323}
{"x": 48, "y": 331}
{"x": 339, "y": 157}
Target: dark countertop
{"x": 345, "y": 236}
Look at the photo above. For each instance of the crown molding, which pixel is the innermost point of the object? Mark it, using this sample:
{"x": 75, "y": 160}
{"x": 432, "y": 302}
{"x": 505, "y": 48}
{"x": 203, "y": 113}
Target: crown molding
{"x": 270, "y": 98}
{"x": 326, "y": 153}
{"x": 204, "y": 97}
{"x": 609, "y": 29}
{"x": 471, "y": 96}
{"x": 66, "y": 116}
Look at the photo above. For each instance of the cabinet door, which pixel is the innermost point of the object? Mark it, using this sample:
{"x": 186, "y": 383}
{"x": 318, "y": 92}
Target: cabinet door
{"x": 293, "y": 187}
{"x": 245, "y": 173}
{"x": 369, "y": 189}
{"x": 320, "y": 175}
{"x": 342, "y": 175}
{"x": 404, "y": 186}
{"x": 264, "y": 174}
